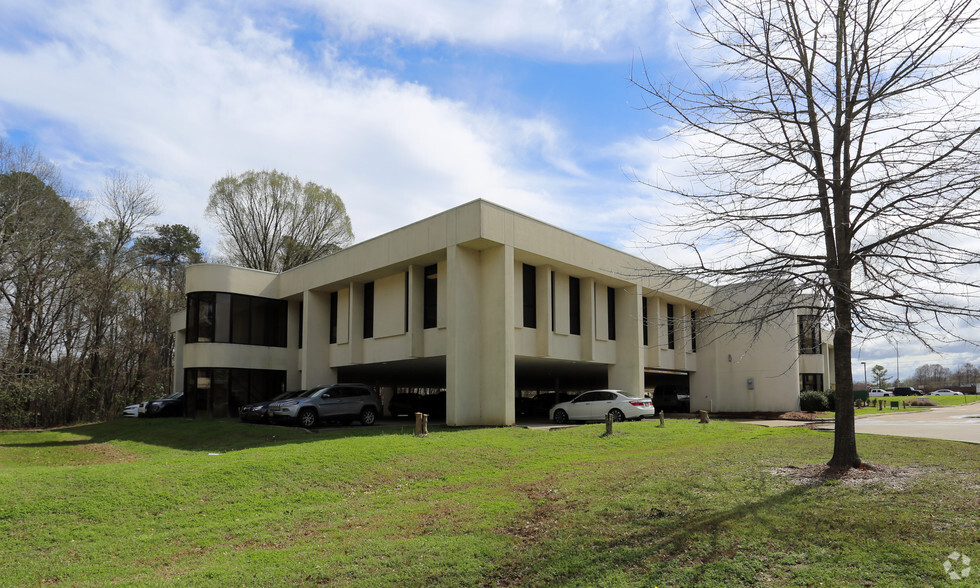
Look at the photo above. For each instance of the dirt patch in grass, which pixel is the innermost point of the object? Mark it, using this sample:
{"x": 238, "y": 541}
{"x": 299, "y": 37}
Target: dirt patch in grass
{"x": 818, "y": 474}
{"x": 103, "y": 453}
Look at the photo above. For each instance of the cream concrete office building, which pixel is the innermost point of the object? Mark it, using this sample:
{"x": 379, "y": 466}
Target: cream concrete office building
{"x": 486, "y": 304}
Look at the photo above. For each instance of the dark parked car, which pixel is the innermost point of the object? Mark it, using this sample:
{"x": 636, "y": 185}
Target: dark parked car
{"x": 258, "y": 412}
{"x": 336, "y": 402}
{"x": 405, "y": 403}
{"x": 907, "y": 391}
{"x": 672, "y": 400}
{"x": 409, "y": 403}
{"x": 168, "y": 406}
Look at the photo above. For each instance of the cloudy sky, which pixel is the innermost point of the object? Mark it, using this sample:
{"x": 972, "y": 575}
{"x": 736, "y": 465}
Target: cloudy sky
{"x": 404, "y": 109}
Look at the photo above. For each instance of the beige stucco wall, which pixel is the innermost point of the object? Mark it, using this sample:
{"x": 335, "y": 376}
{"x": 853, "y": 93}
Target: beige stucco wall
{"x": 479, "y": 250}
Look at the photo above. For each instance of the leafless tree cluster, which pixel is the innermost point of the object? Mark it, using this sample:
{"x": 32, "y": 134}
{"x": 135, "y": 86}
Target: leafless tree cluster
{"x": 274, "y": 222}
{"x": 833, "y": 156}
{"x": 84, "y": 306}
{"x": 934, "y": 376}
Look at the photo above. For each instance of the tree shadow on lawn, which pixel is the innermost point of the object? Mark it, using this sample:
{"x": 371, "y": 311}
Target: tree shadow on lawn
{"x": 217, "y": 435}
{"x": 704, "y": 546}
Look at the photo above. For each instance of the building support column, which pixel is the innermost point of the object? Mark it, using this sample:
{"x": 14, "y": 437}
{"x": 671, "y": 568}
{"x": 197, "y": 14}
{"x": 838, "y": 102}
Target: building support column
{"x": 627, "y": 373}
{"x": 315, "y": 355}
{"x": 480, "y": 336}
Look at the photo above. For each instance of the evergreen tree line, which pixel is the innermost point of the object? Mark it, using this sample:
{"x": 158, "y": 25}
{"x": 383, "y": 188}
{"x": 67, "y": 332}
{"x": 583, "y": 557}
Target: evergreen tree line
{"x": 85, "y": 305}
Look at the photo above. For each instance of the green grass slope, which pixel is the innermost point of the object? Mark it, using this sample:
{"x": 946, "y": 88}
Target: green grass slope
{"x": 206, "y": 503}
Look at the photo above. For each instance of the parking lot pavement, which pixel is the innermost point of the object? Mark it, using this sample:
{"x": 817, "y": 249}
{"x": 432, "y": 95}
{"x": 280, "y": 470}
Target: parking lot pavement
{"x": 953, "y": 423}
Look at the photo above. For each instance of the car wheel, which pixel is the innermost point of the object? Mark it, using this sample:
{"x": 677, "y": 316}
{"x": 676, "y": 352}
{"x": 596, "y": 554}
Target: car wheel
{"x": 560, "y": 417}
{"x": 368, "y": 415}
{"x": 617, "y": 415}
{"x": 307, "y": 417}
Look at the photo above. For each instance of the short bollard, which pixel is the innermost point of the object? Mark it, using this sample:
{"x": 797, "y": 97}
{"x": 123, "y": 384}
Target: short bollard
{"x": 703, "y": 417}
{"x": 609, "y": 422}
{"x": 662, "y": 422}
{"x": 421, "y": 425}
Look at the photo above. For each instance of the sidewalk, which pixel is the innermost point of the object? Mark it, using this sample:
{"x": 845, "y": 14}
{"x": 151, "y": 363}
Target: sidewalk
{"x": 952, "y": 423}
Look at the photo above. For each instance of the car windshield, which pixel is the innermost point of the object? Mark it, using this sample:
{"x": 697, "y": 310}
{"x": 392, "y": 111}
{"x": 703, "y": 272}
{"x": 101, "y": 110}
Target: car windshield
{"x": 173, "y": 396}
{"x": 310, "y": 392}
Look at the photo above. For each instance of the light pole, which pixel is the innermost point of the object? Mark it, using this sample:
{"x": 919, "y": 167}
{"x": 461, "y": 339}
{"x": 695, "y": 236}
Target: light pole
{"x": 865, "y": 364}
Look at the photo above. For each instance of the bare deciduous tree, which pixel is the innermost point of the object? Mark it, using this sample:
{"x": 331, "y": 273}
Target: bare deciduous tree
{"x": 835, "y": 159}
{"x": 274, "y": 222}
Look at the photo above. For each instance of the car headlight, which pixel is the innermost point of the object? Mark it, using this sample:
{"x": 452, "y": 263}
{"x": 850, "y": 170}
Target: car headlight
{"x": 290, "y": 403}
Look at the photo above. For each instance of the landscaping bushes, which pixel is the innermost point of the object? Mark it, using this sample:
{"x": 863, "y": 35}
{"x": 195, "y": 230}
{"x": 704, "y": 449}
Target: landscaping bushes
{"x": 817, "y": 400}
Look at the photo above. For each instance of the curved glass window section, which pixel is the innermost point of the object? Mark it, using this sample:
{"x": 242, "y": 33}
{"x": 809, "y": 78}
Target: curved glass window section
{"x": 218, "y": 317}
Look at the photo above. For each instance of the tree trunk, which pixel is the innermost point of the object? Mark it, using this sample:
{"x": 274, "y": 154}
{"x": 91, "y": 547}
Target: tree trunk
{"x": 845, "y": 443}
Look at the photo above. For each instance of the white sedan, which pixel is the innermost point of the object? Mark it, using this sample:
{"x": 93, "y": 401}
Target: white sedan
{"x": 946, "y": 392}
{"x": 596, "y": 404}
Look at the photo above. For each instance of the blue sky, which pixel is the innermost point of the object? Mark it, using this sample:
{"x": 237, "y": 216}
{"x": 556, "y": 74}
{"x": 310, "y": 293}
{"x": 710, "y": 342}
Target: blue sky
{"x": 403, "y": 109}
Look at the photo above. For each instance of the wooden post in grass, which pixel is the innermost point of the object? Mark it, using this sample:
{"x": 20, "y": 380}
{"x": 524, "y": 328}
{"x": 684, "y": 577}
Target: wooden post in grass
{"x": 421, "y": 425}
{"x": 425, "y": 425}
{"x": 609, "y": 422}
{"x": 662, "y": 422}
{"x": 703, "y": 417}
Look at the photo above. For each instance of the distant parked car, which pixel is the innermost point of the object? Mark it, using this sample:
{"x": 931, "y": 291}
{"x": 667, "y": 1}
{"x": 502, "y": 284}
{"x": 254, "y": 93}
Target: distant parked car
{"x": 336, "y": 402}
{"x": 907, "y": 391}
{"x": 258, "y": 412}
{"x": 878, "y": 393}
{"x": 134, "y": 410}
{"x": 168, "y": 406}
{"x": 671, "y": 399}
{"x": 594, "y": 405}
{"x": 946, "y": 392}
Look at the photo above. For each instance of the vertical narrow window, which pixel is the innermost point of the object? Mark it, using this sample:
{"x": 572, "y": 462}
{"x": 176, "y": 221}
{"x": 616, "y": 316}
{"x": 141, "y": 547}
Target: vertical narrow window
{"x": 191, "y": 316}
{"x": 552, "y": 301}
{"x": 205, "y": 317}
{"x": 301, "y": 317}
{"x": 406, "y": 303}
{"x": 222, "y": 318}
{"x": 809, "y": 334}
{"x": 530, "y": 296}
{"x": 259, "y": 320}
{"x": 694, "y": 332}
{"x": 670, "y": 326}
{"x": 574, "y": 306}
{"x": 333, "y": 317}
{"x": 277, "y": 332}
{"x": 430, "y": 297}
{"x": 611, "y": 312}
{"x": 241, "y": 319}
{"x": 369, "y": 310}
{"x": 646, "y": 333}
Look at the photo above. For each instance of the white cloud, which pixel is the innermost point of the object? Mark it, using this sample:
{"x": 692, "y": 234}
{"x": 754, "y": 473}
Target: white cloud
{"x": 188, "y": 96}
{"x": 586, "y": 30}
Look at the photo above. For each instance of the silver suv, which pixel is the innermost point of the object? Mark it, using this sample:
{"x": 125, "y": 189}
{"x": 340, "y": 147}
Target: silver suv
{"x": 339, "y": 402}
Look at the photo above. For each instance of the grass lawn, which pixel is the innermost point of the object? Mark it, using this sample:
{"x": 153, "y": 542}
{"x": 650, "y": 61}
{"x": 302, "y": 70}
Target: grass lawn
{"x": 171, "y": 501}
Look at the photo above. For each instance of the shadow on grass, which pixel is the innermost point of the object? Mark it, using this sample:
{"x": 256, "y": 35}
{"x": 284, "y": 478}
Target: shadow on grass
{"x": 209, "y": 434}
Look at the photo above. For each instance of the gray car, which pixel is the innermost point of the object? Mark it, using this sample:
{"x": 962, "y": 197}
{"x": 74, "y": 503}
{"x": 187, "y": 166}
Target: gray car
{"x": 338, "y": 402}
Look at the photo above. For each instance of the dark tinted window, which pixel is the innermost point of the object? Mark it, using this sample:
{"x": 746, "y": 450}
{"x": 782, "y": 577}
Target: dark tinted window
{"x": 430, "y": 297}
{"x": 530, "y": 296}
{"x": 588, "y": 397}
{"x": 694, "y": 332}
{"x": 646, "y": 331}
{"x": 333, "y": 317}
{"x": 574, "y": 307}
{"x": 236, "y": 318}
{"x": 611, "y": 312}
{"x": 670, "y": 326}
{"x": 369, "y": 310}
{"x": 241, "y": 319}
